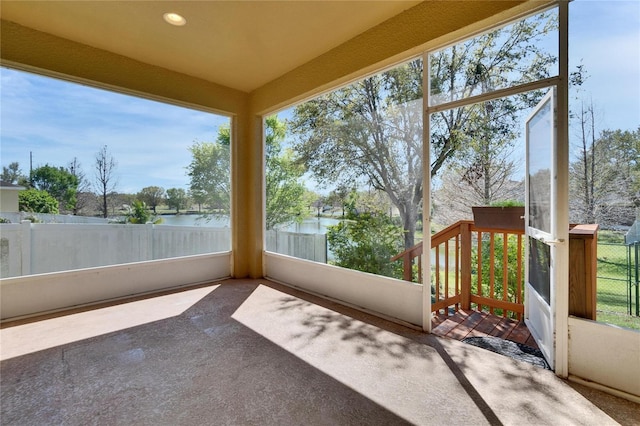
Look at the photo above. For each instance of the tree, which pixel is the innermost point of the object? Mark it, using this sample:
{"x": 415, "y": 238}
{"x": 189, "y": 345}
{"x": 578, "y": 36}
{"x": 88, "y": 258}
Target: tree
{"x": 12, "y": 173}
{"x": 366, "y": 240}
{"x": 37, "y": 201}
{"x": 369, "y": 132}
{"x": 84, "y": 197}
{"x": 177, "y": 199}
{"x": 485, "y": 166}
{"x": 454, "y": 197}
{"x": 372, "y": 130}
{"x": 284, "y": 194}
{"x": 210, "y": 168}
{"x": 59, "y": 182}
{"x": 105, "y": 179}
{"x": 118, "y": 202}
{"x": 198, "y": 197}
{"x": 152, "y": 196}
{"x": 338, "y": 198}
{"x": 604, "y": 180}
{"x": 209, "y": 171}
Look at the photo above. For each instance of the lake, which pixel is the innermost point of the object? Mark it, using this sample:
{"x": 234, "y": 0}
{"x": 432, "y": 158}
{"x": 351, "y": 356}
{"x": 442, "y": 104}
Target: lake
{"x": 308, "y": 226}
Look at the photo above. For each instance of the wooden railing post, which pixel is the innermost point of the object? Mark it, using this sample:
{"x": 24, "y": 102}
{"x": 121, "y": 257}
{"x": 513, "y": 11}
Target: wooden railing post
{"x": 465, "y": 266}
{"x": 583, "y": 258}
{"x": 407, "y": 264}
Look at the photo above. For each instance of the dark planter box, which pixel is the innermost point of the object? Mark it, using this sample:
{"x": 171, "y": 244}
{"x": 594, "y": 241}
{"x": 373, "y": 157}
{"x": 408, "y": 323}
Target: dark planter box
{"x": 499, "y": 217}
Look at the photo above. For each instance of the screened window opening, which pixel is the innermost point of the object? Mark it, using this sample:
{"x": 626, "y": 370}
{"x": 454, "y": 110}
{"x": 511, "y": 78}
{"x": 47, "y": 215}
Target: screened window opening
{"x": 105, "y": 178}
{"x": 344, "y": 174}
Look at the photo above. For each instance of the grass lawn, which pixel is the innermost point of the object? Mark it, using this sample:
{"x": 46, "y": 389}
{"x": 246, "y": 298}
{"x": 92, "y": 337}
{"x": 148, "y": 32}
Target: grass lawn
{"x": 612, "y": 303}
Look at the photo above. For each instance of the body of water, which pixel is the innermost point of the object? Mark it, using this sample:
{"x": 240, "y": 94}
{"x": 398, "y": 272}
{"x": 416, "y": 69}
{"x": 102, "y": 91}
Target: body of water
{"x": 195, "y": 220}
{"x": 308, "y": 226}
{"x": 311, "y": 225}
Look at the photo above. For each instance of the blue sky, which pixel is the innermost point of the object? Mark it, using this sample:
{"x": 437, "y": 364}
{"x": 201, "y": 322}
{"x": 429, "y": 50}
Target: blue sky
{"x": 58, "y": 121}
{"x": 606, "y": 36}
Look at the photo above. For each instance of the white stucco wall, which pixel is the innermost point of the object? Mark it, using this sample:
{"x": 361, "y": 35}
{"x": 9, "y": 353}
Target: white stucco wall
{"x": 35, "y": 294}
{"x": 388, "y": 297}
{"x": 605, "y": 354}
{"x": 9, "y": 199}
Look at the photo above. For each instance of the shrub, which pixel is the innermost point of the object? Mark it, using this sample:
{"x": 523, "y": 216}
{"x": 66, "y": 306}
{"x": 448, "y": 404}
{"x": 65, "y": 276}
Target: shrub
{"x": 507, "y": 203}
{"x": 366, "y": 241}
{"x": 37, "y": 201}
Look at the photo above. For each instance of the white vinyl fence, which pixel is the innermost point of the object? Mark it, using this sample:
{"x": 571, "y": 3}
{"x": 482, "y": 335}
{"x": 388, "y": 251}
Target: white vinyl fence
{"x": 303, "y": 246}
{"x": 35, "y": 248}
{"x": 17, "y": 217}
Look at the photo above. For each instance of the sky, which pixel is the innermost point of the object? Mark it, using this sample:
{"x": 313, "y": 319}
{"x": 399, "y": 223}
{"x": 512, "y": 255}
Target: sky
{"x": 57, "y": 121}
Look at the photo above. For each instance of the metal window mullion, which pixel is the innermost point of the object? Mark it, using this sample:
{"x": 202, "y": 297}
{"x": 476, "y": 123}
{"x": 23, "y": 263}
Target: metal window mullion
{"x": 426, "y": 197}
{"x": 496, "y": 94}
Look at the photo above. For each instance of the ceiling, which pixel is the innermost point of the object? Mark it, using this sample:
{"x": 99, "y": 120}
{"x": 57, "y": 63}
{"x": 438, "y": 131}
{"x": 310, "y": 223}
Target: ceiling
{"x": 238, "y": 44}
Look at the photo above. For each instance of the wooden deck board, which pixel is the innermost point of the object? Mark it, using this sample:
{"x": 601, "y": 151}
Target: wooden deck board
{"x": 520, "y": 333}
{"x": 463, "y": 324}
{"x": 503, "y": 328}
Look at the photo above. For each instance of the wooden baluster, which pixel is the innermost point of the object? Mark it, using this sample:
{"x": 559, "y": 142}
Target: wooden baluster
{"x": 492, "y": 268}
{"x": 465, "y": 266}
{"x": 456, "y": 260}
{"x": 505, "y": 270}
{"x": 479, "y": 289}
{"x": 446, "y": 270}
{"x": 519, "y": 297}
{"x": 437, "y": 283}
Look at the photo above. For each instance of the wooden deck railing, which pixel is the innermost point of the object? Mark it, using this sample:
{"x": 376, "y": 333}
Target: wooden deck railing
{"x": 472, "y": 268}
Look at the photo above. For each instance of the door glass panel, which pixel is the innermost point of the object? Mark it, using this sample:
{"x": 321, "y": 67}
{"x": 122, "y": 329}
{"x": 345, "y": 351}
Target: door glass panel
{"x": 540, "y": 268}
{"x": 539, "y": 131}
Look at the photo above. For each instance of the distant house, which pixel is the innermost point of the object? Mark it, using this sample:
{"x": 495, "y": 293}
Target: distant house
{"x": 9, "y": 196}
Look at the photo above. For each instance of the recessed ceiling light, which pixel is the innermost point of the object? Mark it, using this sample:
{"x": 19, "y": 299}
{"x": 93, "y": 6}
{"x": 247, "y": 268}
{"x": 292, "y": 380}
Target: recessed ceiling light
{"x": 174, "y": 19}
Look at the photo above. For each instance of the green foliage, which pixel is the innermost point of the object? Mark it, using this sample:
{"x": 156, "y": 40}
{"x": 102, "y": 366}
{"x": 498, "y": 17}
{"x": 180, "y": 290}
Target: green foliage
{"x": 12, "y": 173}
{"x": 498, "y": 263}
{"x": 368, "y": 133}
{"x": 209, "y": 171}
{"x": 284, "y": 193}
{"x": 507, "y": 203}
{"x": 177, "y": 199}
{"x": 59, "y": 182}
{"x": 152, "y": 196}
{"x": 140, "y": 214}
{"x": 366, "y": 241}
{"x": 210, "y": 175}
{"x": 37, "y": 201}
{"x": 371, "y": 131}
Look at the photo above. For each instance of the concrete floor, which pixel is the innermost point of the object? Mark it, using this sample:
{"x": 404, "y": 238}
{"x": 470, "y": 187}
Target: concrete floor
{"x": 252, "y": 352}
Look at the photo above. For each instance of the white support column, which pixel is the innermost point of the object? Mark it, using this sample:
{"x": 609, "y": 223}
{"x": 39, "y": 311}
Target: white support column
{"x": 562, "y": 199}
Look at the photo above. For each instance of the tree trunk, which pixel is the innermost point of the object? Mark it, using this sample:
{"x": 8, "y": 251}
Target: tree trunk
{"x": 408, "y": 216}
